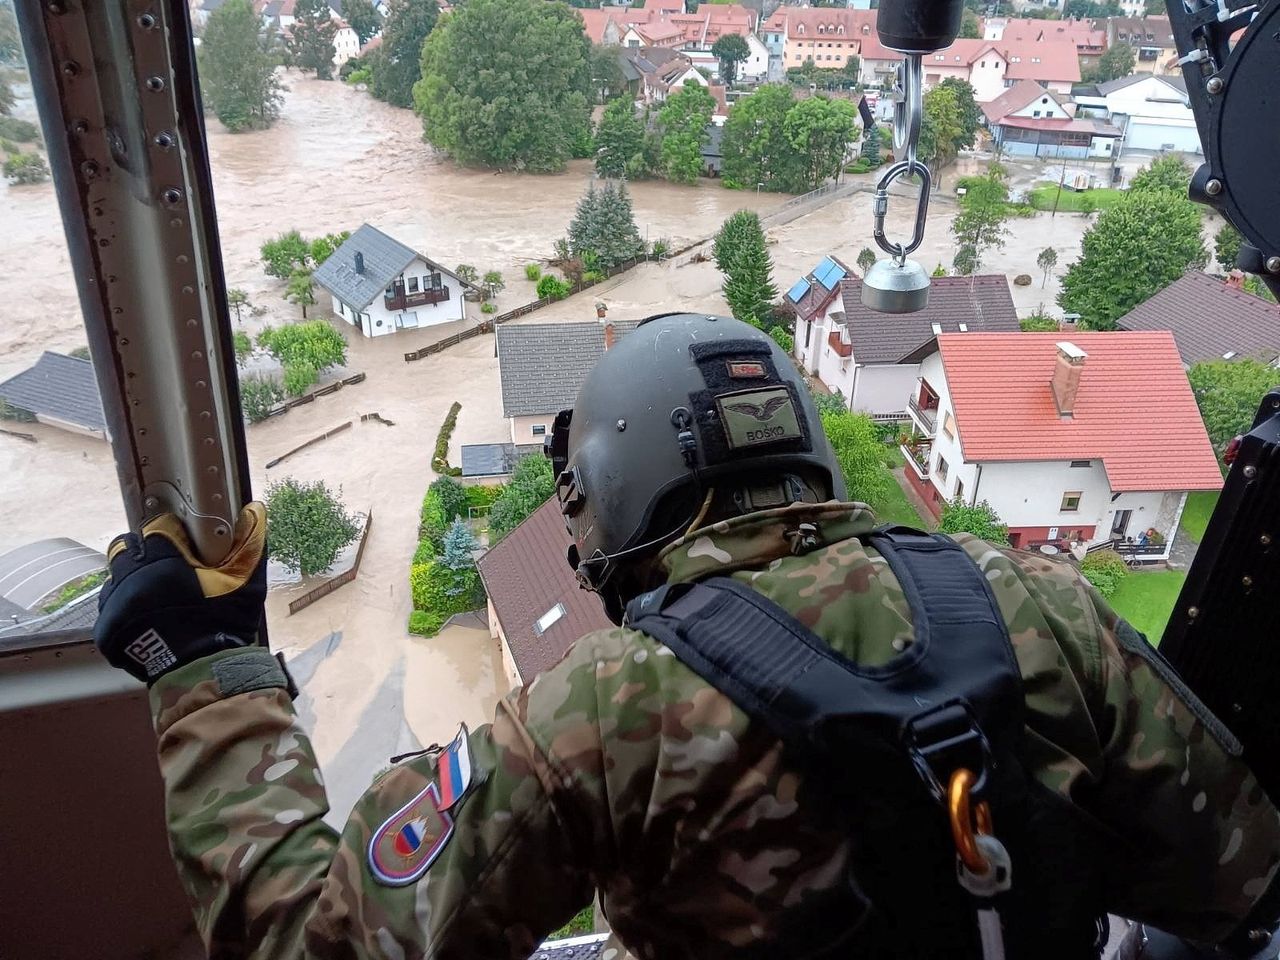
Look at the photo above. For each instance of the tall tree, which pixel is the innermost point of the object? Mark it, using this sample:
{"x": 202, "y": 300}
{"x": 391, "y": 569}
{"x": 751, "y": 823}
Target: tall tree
{"x": 603, "y": 230}
{"x": 866, "y": 259}
{"x": 970, "y": 25}
{"x": 971, "y": 115}
{"x": 1135, "y": 248}
{"x": 396, "y": 66}
{"x": 364, "y": 19}
{"x": 7, "y": 98}
{"x": 526, "y": 103}
{"x": 1115, "y": 63}
{"x": 871, "y": 146}
{"x": 619, "y": 138}
{"x": 301, "y": 290}
{"x": 307, "y": 526}
{"x": 606, "y": 72}
{"x": 820, "y": 131}
{"x": 1226, "y": 246}
{"x": 237, "y": 300}
{"x": 984, "y": 208}
{"x": 237, "y": 59}
{"x": 313, "y": 33}
{"x": 683, "y": 121}
{"x": 1046, "y": 261}
{"x": 1166, "y": 172}
{"x": 942, "y": 127}
{"x": 744, "y": 259}
{"x": 731, "y": 49}
{"x": 755, "y": 145}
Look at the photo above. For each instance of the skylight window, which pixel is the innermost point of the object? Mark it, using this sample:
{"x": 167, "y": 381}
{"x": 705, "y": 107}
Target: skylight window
{"x": 549, "y": 619}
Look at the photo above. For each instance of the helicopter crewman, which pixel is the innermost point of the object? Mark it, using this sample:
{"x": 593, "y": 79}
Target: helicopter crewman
{"x": 661, "y": 762}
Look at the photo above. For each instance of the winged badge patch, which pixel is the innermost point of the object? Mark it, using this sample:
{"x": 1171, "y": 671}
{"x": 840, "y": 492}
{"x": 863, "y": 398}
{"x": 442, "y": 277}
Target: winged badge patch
{"x": 752, "y": 417}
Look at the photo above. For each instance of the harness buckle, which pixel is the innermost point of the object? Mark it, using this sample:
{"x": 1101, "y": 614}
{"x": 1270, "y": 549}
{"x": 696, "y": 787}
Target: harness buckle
{"x": 944, "y": 739}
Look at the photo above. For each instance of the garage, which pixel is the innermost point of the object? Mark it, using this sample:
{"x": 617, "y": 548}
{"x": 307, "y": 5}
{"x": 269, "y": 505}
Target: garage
{"x": 1162, "y": 133}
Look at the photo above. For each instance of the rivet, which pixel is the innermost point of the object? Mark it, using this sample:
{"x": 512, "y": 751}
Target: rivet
{"x": 89, "y": 169}
{"x": 1265, "y": 539}
{"x": 1193, "y": 612}
{"x": 1246, "y": 581}
{"x": 220, "y": 530}
{"x": 175, "y": 222}
{"x": 200, "y": 385}
{"x": 197, "y": 355}
{"x": 70, "y": 68}
{"x": 1215, "y": 85}
{"x": 57, "y": 9}
{"x": 164, "y": 139}
{"x": 142, "y": 431}
{"x": 188, "y": 290}
{"x": 209, "y": 441}
{"x": 182, "y": 258}
{"x": 80, "y": 126}
{"x": 151, "y": 503}
{"x": 1250, "y": 471}
{"x": 155, "y": 84}
{"x": 171, "y": 195}
{"x": 622, "y": 425}
{"x": 211, "y": 470}
{"x": 1213, "y": 187}
{"x": 147, "y": 21}
{"x": 1273, "y": 264}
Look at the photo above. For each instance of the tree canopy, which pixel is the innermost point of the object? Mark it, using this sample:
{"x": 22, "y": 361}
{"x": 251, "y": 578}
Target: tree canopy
{"x": 531, "y": 485}
{"x": 307, "y": 526}
{"x": 312, "y": 40}
{"x": 528, "y": 101}
{"x": 7, "y": 98}
{"x": 820, "y": 130}
{"x": 742, "y": 256}
{"x": 979, "y": 226}
{"x": 1166, "y": 172}
{"x": 238, "y": 57}
{"x": 364, "y": 19}
{"x": 1144, "y": 242}
{"x": 971, "y": 115}
{"x": 942, "y": 129}
{"x": 395, "y": 66}
{"x": 1227, "y": 393}
{"x": 859, "y": 452}
{"x": 755, "y": 145}
{"x": 730, "y": 49}
{"x": 979, "y": 519}
{"x": 1226, "y": 246}
{"x": 603, "y": 230}
{"x": 10, "y": 41}
{"x": 1115, "y": 63}
{"x": 683, "y": 123}
{"x": 619, "y": 139}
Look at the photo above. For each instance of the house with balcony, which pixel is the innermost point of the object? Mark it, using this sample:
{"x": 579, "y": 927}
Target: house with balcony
{"x": 872, "y": 358}
{"x": 379, "y": 285}
{"x": 1077, "y": 444}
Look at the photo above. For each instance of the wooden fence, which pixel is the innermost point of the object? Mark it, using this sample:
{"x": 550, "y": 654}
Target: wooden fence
{"x": 302, "y": 446}
{"x": 332, "y": 584}
{"x": 29, "y": 437}
{"x": 310, "y": 397}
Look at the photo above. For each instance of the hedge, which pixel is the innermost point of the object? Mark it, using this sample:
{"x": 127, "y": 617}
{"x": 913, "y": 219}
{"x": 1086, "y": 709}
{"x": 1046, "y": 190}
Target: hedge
{"x": 425, "y": 624}
{"x": 433, "y": 604}
{"x": 481, "y": 495}
{"x": 440, "y": 462}
{"x": 1105, "y": 569}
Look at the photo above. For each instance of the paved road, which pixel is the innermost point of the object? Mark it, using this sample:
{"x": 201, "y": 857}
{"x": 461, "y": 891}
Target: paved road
{"x": 30, "y": 573}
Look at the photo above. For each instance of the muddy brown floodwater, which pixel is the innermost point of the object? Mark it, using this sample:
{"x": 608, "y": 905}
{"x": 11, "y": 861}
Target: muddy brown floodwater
{"x": 336, "y": 159}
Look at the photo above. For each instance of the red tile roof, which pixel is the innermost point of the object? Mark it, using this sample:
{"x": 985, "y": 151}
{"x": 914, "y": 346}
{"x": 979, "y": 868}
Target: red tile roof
{"x": 596, "y": 21}
{"x": 802, "y": 23}
{"x": 1134, "y": 410}
{"x": 526, "y": 575}
{"x": 1097, "y": 128}
{"x": 1014, "y": 99}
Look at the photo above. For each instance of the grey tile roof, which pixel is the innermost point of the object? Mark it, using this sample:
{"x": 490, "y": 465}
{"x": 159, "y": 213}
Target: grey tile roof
{"x": 542, "y": 365}
{"x": 494, "y": 459}
{"x": 384, "y": 259}
{"x": 60, "y": 387}
{"x": 79, "y": 614}
{"x": 982, "y": 304}
{"x": 1209, "y": 319}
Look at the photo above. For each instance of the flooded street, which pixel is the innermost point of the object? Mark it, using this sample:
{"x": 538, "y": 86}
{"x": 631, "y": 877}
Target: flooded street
{"x": 336, "y": 159}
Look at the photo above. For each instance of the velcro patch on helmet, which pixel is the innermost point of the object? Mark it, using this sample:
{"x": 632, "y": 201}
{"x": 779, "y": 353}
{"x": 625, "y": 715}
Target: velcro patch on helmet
{"x": 753, "y": 417}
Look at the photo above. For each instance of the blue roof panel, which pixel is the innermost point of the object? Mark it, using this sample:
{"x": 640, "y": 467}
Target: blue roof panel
{"x": 828, "y": 273}
{"x": 798, "y": 290}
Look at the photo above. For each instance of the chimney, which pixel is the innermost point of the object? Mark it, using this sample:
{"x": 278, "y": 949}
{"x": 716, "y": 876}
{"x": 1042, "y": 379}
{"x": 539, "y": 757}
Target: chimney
{"x": 1235, "y": 280}
{"x": 359, "y": 262}
{"x": 608, "y": 336}
{"x": 1066, "y": 376}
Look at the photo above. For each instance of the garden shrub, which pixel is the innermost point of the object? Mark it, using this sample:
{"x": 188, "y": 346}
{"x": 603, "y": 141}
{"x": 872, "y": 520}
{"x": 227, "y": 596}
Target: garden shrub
{"x": 482, "y": 495}
{"x": 440, "y": 462}
{"x": 532, "y": 271}
{"x": 1105, "y": 569}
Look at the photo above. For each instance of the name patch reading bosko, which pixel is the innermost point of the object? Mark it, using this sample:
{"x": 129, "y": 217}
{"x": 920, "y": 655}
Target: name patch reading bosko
{"x": 752, "y": 417}
{"x": 411, "y": 839}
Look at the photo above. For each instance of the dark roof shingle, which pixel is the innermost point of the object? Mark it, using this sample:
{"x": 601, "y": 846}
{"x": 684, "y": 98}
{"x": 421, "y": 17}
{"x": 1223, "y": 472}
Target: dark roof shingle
{"x": 1210, "y": 319}
{"x": 58, "y": 387}
{"x": 982, "y": 303}
{"x": 542, "y": 365}
{"x": 526, "y": 576}
{"x": 384, "y": 259}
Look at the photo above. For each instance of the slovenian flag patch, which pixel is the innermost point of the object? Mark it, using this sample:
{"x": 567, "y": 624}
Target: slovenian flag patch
{"x": 410, "y": 840}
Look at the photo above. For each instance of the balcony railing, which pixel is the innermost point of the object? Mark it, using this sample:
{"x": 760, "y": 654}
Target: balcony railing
{"x": 928, "y": 419}
{"x": 917, "y": 459}
{"x": 404, "y": 301}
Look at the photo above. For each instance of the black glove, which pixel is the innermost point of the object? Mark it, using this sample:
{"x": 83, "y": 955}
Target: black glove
{"x": 162, "y": 608}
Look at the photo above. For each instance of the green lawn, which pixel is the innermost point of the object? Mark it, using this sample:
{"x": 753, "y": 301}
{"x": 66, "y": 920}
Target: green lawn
{"x": 894, "y": 507}
{"x": 1195, "y": 516}
{"x": 1145, "y": 600}
{"x": 1042, "y": 196}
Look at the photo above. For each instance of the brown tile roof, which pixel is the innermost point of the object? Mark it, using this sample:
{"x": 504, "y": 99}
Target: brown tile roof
{"x": 1134, "y": 409}
{"x": 1210, "y": 319}
{"x": 1014, "y": 99}
{"x": 1096, "y": 128}
{"x": 982, "y": 304}
{"x": 526, "y": 575}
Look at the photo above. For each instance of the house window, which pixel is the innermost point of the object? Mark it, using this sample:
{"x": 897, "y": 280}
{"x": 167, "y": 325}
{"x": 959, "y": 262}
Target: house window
{"x": 959, "y": 489}
{"x": 413, "y": 284}
{"x": 1035, "y": 113}
{"x": 942, "y": 468}
{"x": 949, "y": 426}
{"x": 539, "y": 429}
{"x": 1071, "y": 501}
{"x": 435, "y": 281}
{"x": 549, "y": 619}
{"x": 1082, "y": 463}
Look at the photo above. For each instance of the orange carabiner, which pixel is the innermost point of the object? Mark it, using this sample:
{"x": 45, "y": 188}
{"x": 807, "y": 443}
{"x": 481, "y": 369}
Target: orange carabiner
{"x": 964, "y": 823}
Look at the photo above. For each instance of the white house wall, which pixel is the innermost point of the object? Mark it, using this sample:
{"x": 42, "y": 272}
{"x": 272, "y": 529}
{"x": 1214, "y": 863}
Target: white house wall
{"x": 522, "y": 428}
{"x": 883, "y": 388}
{"x": 1043, "y": 107}
{"x": 987, "y": 76}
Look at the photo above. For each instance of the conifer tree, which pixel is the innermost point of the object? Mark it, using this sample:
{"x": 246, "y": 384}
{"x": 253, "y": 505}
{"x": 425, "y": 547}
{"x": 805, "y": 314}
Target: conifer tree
{"x": 313, "y": 33}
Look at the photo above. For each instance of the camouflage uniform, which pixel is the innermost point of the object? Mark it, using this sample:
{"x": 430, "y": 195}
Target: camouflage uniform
{"x": 622, "y": 770}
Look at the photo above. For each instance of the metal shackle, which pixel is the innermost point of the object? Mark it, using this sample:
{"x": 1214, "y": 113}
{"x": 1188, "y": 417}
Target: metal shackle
{"x": 880, "y": 207}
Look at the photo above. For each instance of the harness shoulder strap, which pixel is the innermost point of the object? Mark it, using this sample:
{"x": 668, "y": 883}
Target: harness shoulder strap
{"x": 958, "y": 681}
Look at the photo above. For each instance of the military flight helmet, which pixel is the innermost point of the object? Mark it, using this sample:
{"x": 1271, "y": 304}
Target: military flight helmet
{"x": 683, "y": 405}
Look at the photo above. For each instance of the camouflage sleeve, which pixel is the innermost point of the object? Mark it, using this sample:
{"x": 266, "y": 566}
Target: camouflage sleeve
{"x": 1193, "y": 842}
{"x": 475, "y": 849}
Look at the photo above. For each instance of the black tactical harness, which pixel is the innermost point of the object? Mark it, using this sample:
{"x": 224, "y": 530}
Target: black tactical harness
{"x": 883, "y": 742}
